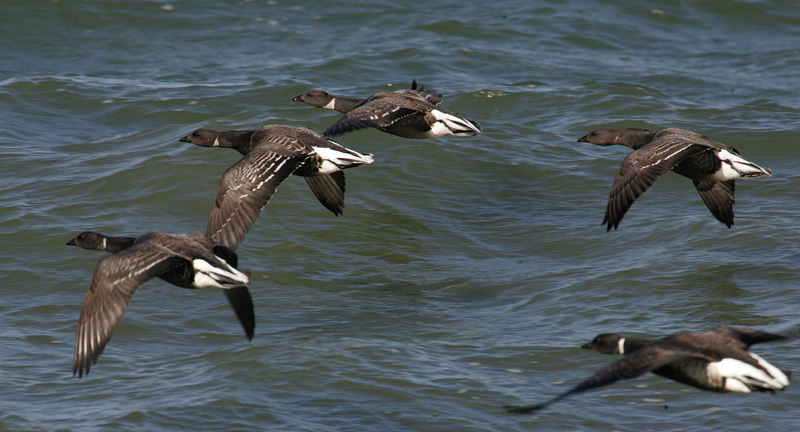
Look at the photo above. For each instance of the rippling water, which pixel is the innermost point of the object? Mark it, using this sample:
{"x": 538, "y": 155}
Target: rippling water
{"x": 465, "y": 271}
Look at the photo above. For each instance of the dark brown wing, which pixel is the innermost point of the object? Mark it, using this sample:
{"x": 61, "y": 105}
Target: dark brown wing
{"x": 239, "y": 297}
{"x": 245, "y": 188}
{"x": 718, "y": 197}
{"x": 434, "y": 99}
{"x": 710, "y": 346}
{"x": 421, "y": 93}
{"x": 379, "y": 112}
{"x": 641, "y": 168}
{"x": 329, "y": 190}
{"x": 242, "y": 303}
{"x": 116, "y": 278}
{"x": 745, "y": 337}
{"x": 631, "y": 366}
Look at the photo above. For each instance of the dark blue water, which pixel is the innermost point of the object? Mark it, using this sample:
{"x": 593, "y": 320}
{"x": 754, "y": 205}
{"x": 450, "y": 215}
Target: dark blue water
{"x": 465, "y": 272}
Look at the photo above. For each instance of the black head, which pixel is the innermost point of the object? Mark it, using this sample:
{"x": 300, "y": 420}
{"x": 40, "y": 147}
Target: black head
{"x": 606, "y": 343}
{"x": 203, "y": 138}
{"x": 603, "y": 137}
{"x": 317, "y": 98}
{"x": 631, "y": 137}
{"x": 89, "y": 240}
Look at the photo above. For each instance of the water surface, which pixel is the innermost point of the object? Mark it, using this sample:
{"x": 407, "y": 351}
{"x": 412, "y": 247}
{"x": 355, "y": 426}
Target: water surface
{"x": 465, "y": 272}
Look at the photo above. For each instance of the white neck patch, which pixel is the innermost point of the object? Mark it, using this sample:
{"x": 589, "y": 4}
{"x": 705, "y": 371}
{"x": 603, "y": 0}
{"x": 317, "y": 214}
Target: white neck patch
{"x": 330, "y": 104}
{"x": 104, "y": 244}
{"x": 621, "y": 346}
{"x": 216, "y": 142}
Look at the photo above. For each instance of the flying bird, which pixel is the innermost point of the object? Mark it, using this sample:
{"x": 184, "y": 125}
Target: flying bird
{"x": 712, "y": 166}
{"x": 271, "y": 154}
{"x": 717, "y": 360}
{"x": 184, "y": 260}
{"x": 405, "y": 113}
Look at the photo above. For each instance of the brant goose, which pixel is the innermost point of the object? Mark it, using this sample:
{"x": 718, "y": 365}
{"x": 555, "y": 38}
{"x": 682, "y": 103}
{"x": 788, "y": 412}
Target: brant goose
{"x": 717, "y": 361}
{"x": 271, "y": 154}
{"x": 712, "y": 166}
{"x": 406, "y": 113}
{"x": 185, "y": 260}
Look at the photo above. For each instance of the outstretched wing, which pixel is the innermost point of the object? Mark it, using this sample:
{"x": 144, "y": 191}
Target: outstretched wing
{"x": 238, "y": 297}
{"x": 245, "y": 188}
{"x": 421, "y": 93}
{"x": 631, "y": 366}
{"x": 641, "y": 169}
{"x": 718, "y": 197}
{"x": 745, "y": 337}
{"x": 242, "y": 304}
{"x": 329, "y": 190}
{"x": 116, "y": 278}
{"x": 380, "y": 112}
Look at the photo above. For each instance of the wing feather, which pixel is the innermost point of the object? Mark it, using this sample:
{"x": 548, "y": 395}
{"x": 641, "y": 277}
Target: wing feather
{"x": 631, "y": 366}
{"x": 641, "y": 169}
{"x": 116, "y": 278}
{"x": 245, "y": 188}
{"x": 379, "y": 112}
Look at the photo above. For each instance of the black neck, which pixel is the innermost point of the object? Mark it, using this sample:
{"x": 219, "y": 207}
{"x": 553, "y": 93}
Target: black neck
{"x": 241, "y": 140}
{"x": 345, "y": 105}
{"x": 637, "y": 138}
{"x": 633, "y": 344}
{"x": 116, "y": 244}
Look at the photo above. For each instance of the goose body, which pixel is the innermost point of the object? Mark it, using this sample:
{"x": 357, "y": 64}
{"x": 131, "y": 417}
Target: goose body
{"x": 713, "y": 167}
{"x": 405, "y": 113}
{"x": 184, "y": 260}
{"x": 718, "y": 361}
{"x": 271, "y": 154}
